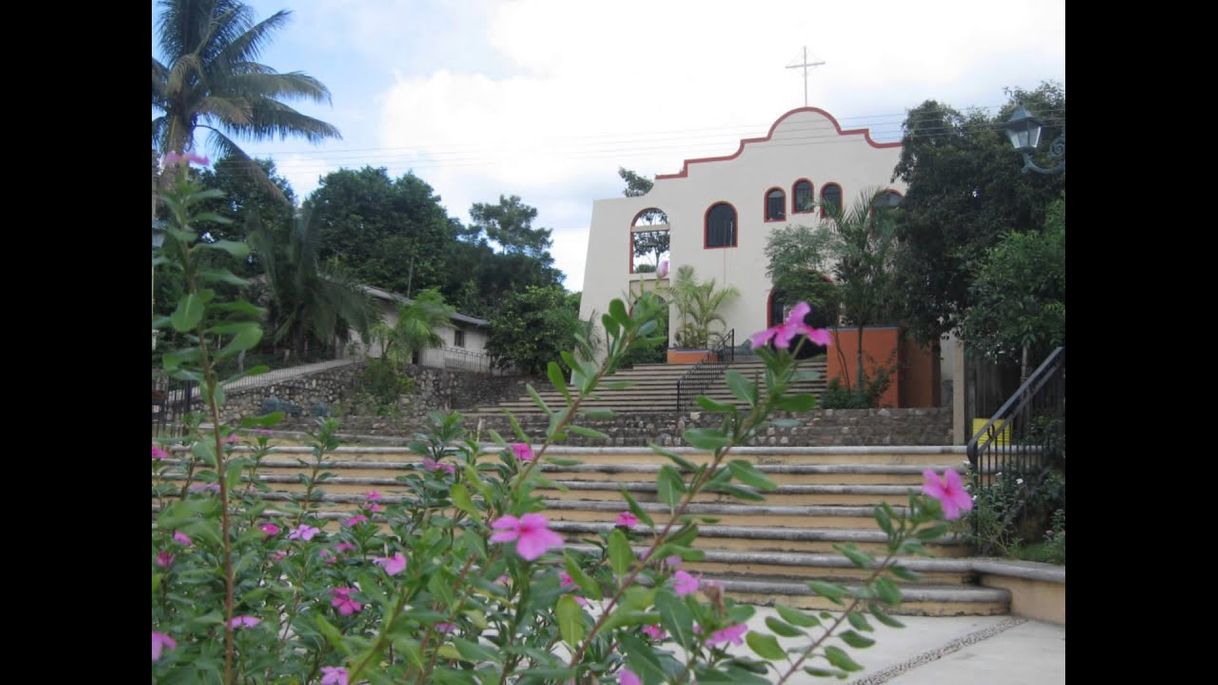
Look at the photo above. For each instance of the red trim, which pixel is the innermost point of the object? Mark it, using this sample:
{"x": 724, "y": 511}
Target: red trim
{"x": 635, "y": 220}
{"x": 854, "y": 131}
{"x": 840, "y": 196}
{"x": 811, "y": 187}
{"x": 765, "y": 206}
{"x": 706, "y": 226}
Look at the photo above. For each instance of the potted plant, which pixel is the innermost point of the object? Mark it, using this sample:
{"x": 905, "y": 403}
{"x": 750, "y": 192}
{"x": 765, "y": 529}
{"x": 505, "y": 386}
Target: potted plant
{"x": 698, "y": 305}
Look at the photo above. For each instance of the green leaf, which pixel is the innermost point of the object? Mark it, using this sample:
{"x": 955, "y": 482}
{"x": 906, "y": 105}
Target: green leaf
{"x": 685, "y": 465}
{"x": 782, "y": 628}
{"x": 222, "y": 276}
{"x": 587, "y": 432}
{"x": 246, "y": 337}
{"x": 332, "y": 635}
{"x": 826, "y": 673}
{"x": 617, "y": 309}
{"x": 749, "y": 475}
{"x": 765, "y": 646}
{"x": 236, "y": 249}
{"x": 744, "y": 389}
{"x": 675, "y": 617}
{"x": 475, "y": 652}
{"x": 884, "y": 521}
{"x": 580, "y": 578}
{"x": 796, "y": 617}
{"x": 855, "y": 640}
{"x": 883, "y": 617}
{"x": 262, "y": 421}
{"x": 841, "y": 659}
{"x": 635, "y": 508}
{"x": 623, "y": 617}
{"x": 737, "y": 492}
{"x": 641, "y": 659}
{"x": 712, "y": 406}
{"x": 859, "y": 621}
{"x": 597, "y": 414}
{"x": 932, "y": 533}
{"x": 856, "y": 556}
{"x": 188, "y": 314}
{"x": 706, "y": 438}
{"x": 887, "y": 591}
{"x": 537, "y": 399}
{"x": 460, "y": 497}
{"x": 638, "y": 598}
{"x": 669, "y": 486}
{"x": 554, "y": 371}
{"x": 570, "y": 621}
{"x": 620, "y": 556}
{"x": 829, "y": 591}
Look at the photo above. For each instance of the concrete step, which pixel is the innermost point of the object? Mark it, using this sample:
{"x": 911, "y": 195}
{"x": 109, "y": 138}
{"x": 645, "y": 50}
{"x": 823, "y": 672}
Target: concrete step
{"x": 916, "y": 600}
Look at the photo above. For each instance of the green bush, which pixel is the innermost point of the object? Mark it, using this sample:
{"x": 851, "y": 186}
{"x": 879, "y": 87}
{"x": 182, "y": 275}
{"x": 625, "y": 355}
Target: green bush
{"x": 1021, "y": 515}
{"x": 838, "y": 396}
{"x": 381, "y": 386}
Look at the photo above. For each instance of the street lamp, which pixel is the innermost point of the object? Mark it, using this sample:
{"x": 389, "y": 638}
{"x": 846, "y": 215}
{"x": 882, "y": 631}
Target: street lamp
{"x": 1024, "y": 131}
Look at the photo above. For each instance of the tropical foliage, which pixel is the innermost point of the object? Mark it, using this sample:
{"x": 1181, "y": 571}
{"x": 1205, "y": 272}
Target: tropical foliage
{"x": 698, "y": 304}
{"x": 416, "y": 328}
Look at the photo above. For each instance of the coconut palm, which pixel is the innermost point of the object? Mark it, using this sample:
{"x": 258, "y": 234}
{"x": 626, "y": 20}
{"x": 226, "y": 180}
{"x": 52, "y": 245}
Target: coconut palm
{"x": 210, "y": 80}
{"x": 697, "y": 306}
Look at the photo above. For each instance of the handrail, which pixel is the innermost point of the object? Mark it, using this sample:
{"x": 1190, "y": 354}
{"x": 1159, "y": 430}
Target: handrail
{"x": 695, "y": 381}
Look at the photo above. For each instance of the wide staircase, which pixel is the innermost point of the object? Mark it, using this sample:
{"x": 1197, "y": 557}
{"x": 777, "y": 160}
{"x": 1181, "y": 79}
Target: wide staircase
{"x": 760, "y": 552}
{"x": 652, "y": 388}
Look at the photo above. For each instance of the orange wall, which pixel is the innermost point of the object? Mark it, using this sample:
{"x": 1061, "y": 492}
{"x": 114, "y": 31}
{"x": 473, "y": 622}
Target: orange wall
{"x": 915, "y": 371}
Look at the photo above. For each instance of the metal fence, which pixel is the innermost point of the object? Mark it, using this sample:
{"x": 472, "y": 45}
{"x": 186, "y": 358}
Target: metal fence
{"x": 698, "y": 379}
{"x": 170, "y": 404}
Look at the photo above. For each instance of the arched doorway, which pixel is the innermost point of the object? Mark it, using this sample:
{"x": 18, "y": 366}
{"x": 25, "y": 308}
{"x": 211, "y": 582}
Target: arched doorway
{"x": 779, "y": 308}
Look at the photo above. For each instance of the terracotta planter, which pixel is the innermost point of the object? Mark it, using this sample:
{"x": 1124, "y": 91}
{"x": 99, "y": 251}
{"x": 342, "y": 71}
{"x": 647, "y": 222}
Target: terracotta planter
{"x": 689, "y": 356}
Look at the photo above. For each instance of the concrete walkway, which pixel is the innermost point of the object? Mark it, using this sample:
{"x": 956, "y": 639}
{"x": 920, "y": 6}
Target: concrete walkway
{"x": 965, "y": 650}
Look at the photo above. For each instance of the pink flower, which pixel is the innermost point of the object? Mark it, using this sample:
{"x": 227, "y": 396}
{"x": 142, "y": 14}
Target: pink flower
{"x": 279, "y": 555}
{"x": 158, "y": 453}
{"x": 374, "y": 508}
{"x": 432, "y": 465}
{"x": 333, "y": 675}
{"x": 204, "y": 487}
{"x": 183, "y": 538}
{"x": 580, "y": 600}
{"x": 161, "y": 642}
{"x": 733, "y": 634}
{"x": 327, "y": 556}
{"x": 627, "y": 519}
{"x": 627, "y": 676}
{"x": 531, "y": 530}
{"x": 344, "y": 547}
{"x": 244, "y": 622}
{"x": 232, "y": 439}
{"x": 673, "y": 562}
{"x": 446, "y": 627}
{"x": 662, "y": 269}
{"x": 564, "y": 579}
{"x": 303, "y": 532}
{"x": 655, "y": 632}
{"x": 262, "y": 432}
{"x": 684, "y": 583}
{"x": 393, "y": 565}
{"x": 948, "y": 490}
{"x": 523, "y": 451}
{"x": 164, "y": 559}
{"x": 793, "y": 326}
{"x": 503, "y": 580}
{"x": 355, "y": 520}
{"x": 270, "y": 529}
{"x": 342, "y": 599}
{"x": 372, "y": 496}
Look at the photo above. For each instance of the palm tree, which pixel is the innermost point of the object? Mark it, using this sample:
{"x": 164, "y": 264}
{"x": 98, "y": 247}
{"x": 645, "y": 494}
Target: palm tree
{"x": 697, "y": 306}
{"x": 210, "y": 80}
{"x": 307, "y": 300}
{"x": 416, "y": 327}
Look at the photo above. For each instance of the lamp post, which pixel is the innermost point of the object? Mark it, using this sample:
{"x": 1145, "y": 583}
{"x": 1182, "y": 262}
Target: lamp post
{"x": 1023, "y": 129}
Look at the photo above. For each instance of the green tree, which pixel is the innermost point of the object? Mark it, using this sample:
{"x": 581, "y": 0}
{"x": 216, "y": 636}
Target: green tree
{"x": 308, "y": 301}
{"x": 635, "y": 185}
{"x": 965, "y": 188}
{"x": 208, "y": 78}
{"x": 416, "y": 327}
{"x": 649, "y": 243}
{"x": 698, "y": 304}
{"x": 1019, "y": 291}
{"x": 510, "y": 224}
{"x": 800, "y": 261}
{"x": 532, "y": 327}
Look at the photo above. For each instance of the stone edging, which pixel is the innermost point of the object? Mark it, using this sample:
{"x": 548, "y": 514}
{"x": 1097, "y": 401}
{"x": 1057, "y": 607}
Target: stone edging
{"x": 936, "y": 654}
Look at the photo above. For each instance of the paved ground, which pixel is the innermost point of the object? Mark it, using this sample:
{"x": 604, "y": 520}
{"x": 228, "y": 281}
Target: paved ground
{"x": 993, "y": 650}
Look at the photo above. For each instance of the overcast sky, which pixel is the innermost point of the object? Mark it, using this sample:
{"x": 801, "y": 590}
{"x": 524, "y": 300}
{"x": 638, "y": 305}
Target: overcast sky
{"x": 545, "y": 99}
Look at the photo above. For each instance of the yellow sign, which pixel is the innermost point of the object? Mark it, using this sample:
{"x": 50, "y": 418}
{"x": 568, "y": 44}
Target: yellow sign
{"x": 999, "y": 429}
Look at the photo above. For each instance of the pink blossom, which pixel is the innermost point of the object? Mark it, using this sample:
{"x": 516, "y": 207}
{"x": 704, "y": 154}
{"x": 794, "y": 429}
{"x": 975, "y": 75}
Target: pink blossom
{"x": 948, "y": 490}
{"x": 183, "y": 538}
{"x": 580, "y": 600}
{"x": 684, "y": 583}
{"x": 374, "y": 508}
{"x": 327, "y": 556}
{"x": 565, "y": 579}
{"x": 503, "y": 580}
{"x": 655, "y": 632}
{"x": 446, "y": 627}
{"x": 263, "y": 432}
{"x": 627, "y": 519}
{"x": 303, "y": 532}
{"x": 244, "y": 622}
{"x": 279, "y": 555}
{"x": 158, "y": 453}
{"x": 523, "y": 451}
{"x": 333, "y": 675}
{"x": 662, "y": 269}
{"x": 733, "y": 634}
{"x": 342, "y": 599}
{"x": 627, "y": 677}
{"x": 372, "y": 496}
{"x": 393, "y": 565}
{"x": 344, "y": 547}
{"x": 204, "y": 487}
{"x": 161, "y": 642}
{"x": 793, "y": 326}
{"x": 164, "y": 559}
{"x": 232, "y": 439}
{"x": 532, "y": 532}
{"x": 673, "y": 561}
{"x": 432, "y": 465}
{"x": 355, "y": 520}
{"x": 270, "y": 529}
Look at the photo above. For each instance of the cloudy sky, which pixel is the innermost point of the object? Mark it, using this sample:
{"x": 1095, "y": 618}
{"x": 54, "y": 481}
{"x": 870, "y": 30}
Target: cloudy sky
{"x": 545, "y": 99}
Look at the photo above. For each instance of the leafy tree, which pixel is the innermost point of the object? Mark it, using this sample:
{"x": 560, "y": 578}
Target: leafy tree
{"x": 800, "y": 262}
{"x": 1019, "y": 293}
{"x": 416, "y": 327}
{"x": 510, "y": 224}
{"x": 965, "y": 189}
{"x": 647, "y": 243}
{"x": 698, "y": 305}
{"x": 635, "y": 185}
{"x": 209, "y": 79}
{"x": 308, "y": 301}
{"x": 532, "y": 327}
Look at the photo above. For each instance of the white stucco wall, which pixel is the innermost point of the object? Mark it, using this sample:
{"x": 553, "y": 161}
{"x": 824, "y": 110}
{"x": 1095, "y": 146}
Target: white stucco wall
{"x": 805, "y": 143}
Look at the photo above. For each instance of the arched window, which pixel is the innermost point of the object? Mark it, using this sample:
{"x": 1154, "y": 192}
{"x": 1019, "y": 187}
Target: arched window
{"x": 648, "y": 240}
{"x": 889, "y": 198}
{"x": 720, "y": 228}
{"x": 830, "y": 196}
{"x": 775, "y": 205}
{"x": 801, "y": 197}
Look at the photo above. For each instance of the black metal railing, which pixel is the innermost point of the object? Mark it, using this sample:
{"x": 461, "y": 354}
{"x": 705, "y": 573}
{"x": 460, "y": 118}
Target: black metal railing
{"x": 1026, "y": 436}
{"x": 171, "y": 402}
{"x": 696, "y": 381}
